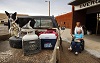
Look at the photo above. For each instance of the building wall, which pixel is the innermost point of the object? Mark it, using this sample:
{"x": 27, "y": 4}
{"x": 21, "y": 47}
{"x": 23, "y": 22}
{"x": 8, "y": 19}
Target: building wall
{"x": 65, "y": 18}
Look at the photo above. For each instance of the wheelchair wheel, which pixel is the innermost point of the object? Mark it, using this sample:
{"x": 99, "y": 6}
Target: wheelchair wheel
{"x": 82, "y": 45}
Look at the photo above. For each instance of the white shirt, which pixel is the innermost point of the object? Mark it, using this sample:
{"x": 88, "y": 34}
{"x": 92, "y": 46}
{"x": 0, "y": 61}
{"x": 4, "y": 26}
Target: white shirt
{"x": 77, "y": 29}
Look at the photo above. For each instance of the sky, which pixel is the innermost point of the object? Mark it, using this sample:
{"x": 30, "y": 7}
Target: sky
{"x": 35, "y": 7}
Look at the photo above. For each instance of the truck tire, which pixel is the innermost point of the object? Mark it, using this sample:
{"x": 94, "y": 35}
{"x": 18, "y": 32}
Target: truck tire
{"x": 15, "y": 42}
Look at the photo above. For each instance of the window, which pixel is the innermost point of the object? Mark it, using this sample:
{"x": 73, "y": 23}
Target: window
{"x": 43, "y": 23}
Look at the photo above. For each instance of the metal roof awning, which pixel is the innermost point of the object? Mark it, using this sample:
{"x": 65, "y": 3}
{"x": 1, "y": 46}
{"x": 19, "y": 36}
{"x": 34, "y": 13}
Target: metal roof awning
{"x": 77, "y": 2}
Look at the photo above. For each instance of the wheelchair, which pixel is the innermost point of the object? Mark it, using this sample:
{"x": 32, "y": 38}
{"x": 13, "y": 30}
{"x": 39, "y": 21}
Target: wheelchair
{"x": 82, "y": 45}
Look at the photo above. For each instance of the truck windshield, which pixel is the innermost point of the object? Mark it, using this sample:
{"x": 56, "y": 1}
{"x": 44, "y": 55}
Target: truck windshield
{"x": 43, "y": 23}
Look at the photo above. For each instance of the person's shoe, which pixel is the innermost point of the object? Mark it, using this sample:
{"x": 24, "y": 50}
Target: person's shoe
{"x": 76, "y": 53}
{"x": 70, "y": 48}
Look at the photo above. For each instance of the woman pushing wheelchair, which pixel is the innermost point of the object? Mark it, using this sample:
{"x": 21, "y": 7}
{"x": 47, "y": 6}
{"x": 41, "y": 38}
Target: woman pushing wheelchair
{"x": 77, "y": 44}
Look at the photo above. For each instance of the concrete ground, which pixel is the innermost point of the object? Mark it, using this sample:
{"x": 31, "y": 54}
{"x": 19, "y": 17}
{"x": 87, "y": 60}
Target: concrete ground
{"x": 83, "y": 57}
{"x": 92, "y": 42}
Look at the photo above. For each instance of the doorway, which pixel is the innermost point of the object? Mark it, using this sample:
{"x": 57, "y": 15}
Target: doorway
{"x": 91, "y": 22}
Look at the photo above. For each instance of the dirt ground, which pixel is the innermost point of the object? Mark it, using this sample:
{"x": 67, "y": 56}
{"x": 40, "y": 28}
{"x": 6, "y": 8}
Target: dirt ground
{"x": 70, "y": 57}
{"x": 3, "y": 29}
{"x": 12, "y": 55}
{"x": 4, "y": 33}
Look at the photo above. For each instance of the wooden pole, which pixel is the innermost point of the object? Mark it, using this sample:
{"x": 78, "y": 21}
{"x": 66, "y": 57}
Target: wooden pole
{"x": 97, "y": 23}
{"x": 49, "y": 8}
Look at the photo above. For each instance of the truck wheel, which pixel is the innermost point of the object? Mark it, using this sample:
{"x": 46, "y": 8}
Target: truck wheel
{"x": 15, "y": 42}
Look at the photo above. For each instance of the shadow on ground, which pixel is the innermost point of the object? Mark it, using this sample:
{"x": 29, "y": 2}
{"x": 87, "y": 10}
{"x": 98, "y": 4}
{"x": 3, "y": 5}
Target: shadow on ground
{"x": 70, "y": 57}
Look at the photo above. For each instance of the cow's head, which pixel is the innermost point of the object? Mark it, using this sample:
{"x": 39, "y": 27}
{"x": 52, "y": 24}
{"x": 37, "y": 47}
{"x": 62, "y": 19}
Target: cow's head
{"x": 11, "y": 16}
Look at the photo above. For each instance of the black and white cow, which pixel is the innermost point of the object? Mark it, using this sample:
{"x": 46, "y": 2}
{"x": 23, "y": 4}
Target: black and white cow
{"x": 19, "y": 23}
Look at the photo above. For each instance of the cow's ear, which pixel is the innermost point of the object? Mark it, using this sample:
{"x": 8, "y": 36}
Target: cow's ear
{"x": 15, "y": 13}
{"x": 7, "y": 13}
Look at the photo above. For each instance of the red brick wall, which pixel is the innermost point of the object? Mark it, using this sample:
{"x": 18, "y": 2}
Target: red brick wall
{"x": 67, "y": 18}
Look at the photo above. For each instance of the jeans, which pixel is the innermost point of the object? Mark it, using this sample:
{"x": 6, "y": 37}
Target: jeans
{"x": 76, "y": 46}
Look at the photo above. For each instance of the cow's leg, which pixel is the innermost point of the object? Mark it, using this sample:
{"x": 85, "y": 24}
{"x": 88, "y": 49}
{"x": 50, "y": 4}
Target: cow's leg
{"x": 9, "y": 24}
{"x": 15, "y": 33}
{"x": 19, "y": 32}
{"x": 18, "y": 35}
{"x": 10, "y": 31}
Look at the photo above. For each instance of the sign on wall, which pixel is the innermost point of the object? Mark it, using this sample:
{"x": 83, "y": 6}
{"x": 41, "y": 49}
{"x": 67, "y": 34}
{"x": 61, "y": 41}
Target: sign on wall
{"x": 87, "y": 4}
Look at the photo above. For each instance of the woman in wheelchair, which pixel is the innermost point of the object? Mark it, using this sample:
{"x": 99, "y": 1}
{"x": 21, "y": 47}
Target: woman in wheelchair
{"x": 76, "y": 43}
